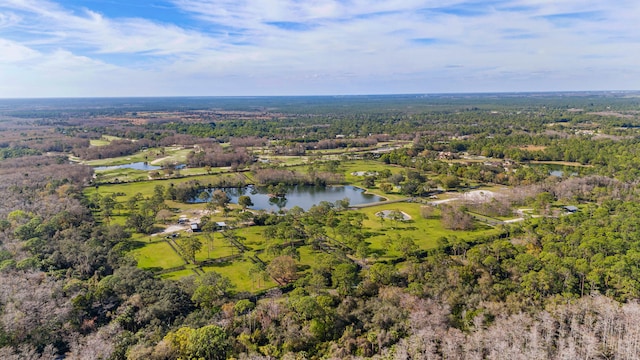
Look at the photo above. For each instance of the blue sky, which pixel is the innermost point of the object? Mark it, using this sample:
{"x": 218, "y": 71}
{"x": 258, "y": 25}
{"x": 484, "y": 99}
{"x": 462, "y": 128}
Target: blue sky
{"x": 92, "y": 48}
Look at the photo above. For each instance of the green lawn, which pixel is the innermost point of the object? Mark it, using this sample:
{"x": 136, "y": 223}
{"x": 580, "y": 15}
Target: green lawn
{"x": 146, "y": 187}
{"x": 121, "y": 175}
{"x": 171, "y": 154}
{"x": 104, "y": 140}
{"x": 425, "y": 232}
{"x": 214, "y": 249}
{"x": 157, "y": 255}
{"x": 99, "y": 142}
{"x": 178, "y": 274}
{"x": 238, "y": 273}
{"x": 355, "y": 166}
{"x": 308, "y": 256}
{"x": 253, "y": 237}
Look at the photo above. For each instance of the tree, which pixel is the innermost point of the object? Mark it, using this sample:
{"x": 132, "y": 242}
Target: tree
{"x": 219, "y": 199}
{"x": 133, "y": 201}
{"x": 279, "y": 190}
{"x": 243, "y": 307}
{"x": 454, "y": 218}
{"x": 543, "y": 202}
{"x": 343, "y": 204}
{"x": 427, "y": 211}
{"x": 190, "y": 246}
{"x": 164, "y": 215}
{"x": 141, "y": 220}
{"x": 381, "y": 215}
{"x": 369, "y": 181}
{"x": 107, "y": 204}
{"x": 386, "y": 187}
{"x": 384, "y": 173}
{"x": 158, "y": 196}
{"x": 211, "y": 290}
{"x": 396, "y": 179}
{"x": 258, "y": 273}
{"x": 380, "y": 273}
{"x": 345, "y": 278}
{"x": 407, "y": 246}
{"x": 245, "y": 201}
{"x": 396, "y": 216}
{"x": 283, "y": 268}
{"x": 450, "y": 182}
{"x": 208, "y": 342}
{"x": 362, "y": 251}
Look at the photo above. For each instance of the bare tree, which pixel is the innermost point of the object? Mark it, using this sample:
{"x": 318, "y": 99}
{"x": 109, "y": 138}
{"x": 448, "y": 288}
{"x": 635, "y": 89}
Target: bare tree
{"x": 455, "y": 218}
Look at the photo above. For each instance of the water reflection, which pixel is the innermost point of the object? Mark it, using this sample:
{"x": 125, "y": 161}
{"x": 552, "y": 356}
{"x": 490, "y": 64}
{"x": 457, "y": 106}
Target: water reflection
{"x": 136, "y": 166}
{"x": 302, "y": 196}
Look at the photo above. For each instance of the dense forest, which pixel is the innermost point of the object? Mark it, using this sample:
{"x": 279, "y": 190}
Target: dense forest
{"x": 556, "y": 284}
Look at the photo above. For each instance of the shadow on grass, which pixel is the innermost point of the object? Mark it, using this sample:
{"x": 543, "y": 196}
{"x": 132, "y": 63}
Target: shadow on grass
{"x": 377, "y": 252}
{"x": 156, "y": 230}
{"x": 131, "y": 245}
{"x": 368, "y": 234}
{"x": 303, "y": 267}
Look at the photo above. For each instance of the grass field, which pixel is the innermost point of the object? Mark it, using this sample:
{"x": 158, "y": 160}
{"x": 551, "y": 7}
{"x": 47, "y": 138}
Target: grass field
{"x": 104, "y": 140}
{"x": 99, "y": 142}
{"x": 238, "y": 273}
{"x": 146, "y": 187}
{"x": 157, "y": 255}
{"x": 178, "y": 274}
{"x": 121, "y": 175}
{"x": 215, "y": 248}
{"x": 155, "y": 156}
{"x": 425, "y": 232}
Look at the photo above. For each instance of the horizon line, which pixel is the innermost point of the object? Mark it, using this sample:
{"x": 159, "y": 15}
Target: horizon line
{"x": 326, "y": 95}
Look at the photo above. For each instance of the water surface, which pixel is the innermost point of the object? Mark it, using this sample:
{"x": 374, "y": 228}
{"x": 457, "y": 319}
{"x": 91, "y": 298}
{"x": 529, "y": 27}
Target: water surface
{"x": 136, "y": 166}
{"x": 302, "y": 196}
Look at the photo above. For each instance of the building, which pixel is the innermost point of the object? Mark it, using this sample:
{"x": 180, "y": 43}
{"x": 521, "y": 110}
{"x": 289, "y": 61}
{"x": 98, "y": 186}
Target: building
{"x": 571, "y": 208}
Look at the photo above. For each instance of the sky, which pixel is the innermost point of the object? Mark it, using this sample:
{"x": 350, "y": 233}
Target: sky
{"x": 118, "y": 48}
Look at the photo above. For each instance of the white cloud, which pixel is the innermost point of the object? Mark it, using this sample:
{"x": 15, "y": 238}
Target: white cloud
{"x": 12, "y": 52}
{"x": 8, "y": 19}
{"x": 50, "y": 24}
{"x": 236, "y": 47}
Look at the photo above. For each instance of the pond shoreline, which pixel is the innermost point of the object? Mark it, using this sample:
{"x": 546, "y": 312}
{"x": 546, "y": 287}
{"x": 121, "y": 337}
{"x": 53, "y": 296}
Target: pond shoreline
{"x": 304, "y": 196}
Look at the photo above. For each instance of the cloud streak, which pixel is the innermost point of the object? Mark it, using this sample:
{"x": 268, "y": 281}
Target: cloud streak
{"x": 270, "y": 47}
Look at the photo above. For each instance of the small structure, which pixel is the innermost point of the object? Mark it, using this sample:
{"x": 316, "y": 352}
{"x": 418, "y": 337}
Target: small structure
{"x": 221, "y": 224}
{"x": 195, "y": 227}
{"x": 571, "y": 208}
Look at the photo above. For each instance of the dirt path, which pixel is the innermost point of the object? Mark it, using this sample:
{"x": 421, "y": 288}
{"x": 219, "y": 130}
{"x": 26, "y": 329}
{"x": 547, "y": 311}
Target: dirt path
{"x": 172, "y": 229}
{"x": 160, "y": 160}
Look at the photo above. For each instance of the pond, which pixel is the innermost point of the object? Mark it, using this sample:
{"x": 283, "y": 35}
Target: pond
{"x": 136, "y": 166}
{"x": 557, "y": 170}
{"x": 302, "y": 196}
{"x": 562, "y": 171}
